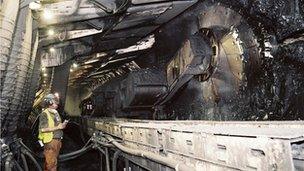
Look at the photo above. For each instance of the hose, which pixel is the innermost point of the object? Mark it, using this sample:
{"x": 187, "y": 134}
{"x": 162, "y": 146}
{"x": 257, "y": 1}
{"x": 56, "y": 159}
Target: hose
{"x": 24, "y": 162}
{"x": 152, "y": 156}
{"x": 100, "y": 161}
{"x": 63, "y": 156}
{"x": 107, "y": 159}
{"x": 106, "y": 153}
{"x": 17, "y": 165}
{"x": 101, "y": 150}
{"x": 88, "y": 142}
{"x": 74, "y": 154}
{"x": 34, "y": 160}
{"x": 28, "y": 149}
{"x": 114, "y": 162}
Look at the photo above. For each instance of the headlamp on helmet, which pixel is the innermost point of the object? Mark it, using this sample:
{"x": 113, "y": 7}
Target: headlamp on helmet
{"x": 50, "y": 99}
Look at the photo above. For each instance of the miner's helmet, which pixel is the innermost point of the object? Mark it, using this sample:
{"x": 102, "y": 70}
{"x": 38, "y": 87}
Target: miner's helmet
{"x": 50, "y": 99}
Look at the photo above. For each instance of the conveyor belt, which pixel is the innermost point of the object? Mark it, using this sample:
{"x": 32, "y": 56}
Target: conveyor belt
{"x": 208, "y": 145}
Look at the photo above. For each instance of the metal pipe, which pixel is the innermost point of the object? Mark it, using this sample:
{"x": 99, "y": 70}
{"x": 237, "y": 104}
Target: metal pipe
{"x": 24, "y": 162}
{"x": 34, "y": 160}
{"x": 152, "y": 156}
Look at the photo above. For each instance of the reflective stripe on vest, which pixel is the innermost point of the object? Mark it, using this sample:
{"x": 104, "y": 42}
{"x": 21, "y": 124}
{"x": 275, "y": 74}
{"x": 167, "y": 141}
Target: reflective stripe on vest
{"x": 47, "y": 137}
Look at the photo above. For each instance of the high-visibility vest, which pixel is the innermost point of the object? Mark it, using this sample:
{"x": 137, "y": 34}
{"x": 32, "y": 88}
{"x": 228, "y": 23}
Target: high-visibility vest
{"x": 47, "y": 137}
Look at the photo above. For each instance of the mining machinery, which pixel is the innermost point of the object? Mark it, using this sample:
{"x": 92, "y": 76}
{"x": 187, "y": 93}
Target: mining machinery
{"x": 156, "y": 84}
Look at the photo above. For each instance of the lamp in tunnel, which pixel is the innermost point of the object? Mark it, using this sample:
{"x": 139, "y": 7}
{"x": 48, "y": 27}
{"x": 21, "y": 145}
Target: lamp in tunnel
{"x": 75, "y": 65}
{"x": 56, "y": 94}
{"x": 71, "y": 70}
{"x": 45, "y": 75}
{"x": 36, "y": 5}
{"x": 91, "y": 61}
{"x": 51, "y": 32}
{"x": 47, "y": 14}
{"x": 52, "y": 49}
{"x": 43, "y": 69}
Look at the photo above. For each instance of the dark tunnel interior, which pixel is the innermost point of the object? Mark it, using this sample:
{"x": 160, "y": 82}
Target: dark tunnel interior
{"x": 155, "y": 84}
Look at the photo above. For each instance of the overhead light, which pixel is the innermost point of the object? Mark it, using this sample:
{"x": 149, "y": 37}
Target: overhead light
{"x": 47, "y": 14}
{"x": 43, "y": 68}
{"x": 56, "y": 94}
{"x": 146, "y": 43}
{"x": 103, "y": 65}
{"x": 75, "y": 65}
{"x": 51, "y": 32}
{"x": 45, "y": 75}
{"x": 98, "y": 55}
{"x": 35, "y": 5}
{"x": 52, "y": 49}
{"x": 71, "y": 70}
{"x": 91, "y": 61}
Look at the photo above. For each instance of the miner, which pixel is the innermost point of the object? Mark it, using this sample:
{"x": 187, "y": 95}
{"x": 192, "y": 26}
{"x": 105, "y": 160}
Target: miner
{"x": 51, "y": 131}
